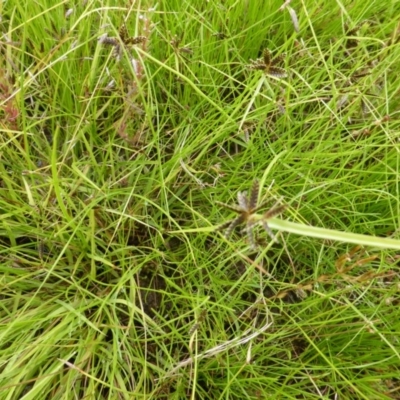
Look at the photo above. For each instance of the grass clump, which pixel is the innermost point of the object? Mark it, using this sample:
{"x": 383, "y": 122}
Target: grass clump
{"x": 124, "y": 127}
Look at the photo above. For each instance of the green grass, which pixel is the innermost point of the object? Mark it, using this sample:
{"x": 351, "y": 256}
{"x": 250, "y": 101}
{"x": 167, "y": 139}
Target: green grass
{"x": 115, "y": 283}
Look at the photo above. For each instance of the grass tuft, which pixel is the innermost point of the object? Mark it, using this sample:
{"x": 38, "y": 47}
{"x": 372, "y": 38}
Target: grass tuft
{"x": 124, "y": 127}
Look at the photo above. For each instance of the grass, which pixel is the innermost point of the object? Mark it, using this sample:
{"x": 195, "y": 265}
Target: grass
{"x": 116, "y": 151}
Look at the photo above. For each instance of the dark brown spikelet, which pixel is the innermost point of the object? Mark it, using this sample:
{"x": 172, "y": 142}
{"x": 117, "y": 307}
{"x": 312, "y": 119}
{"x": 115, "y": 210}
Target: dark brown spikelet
{"x": 267, "y": 57}
{"x": 253, "y": 198}
{"x": 229, "y": 226}
{"x": 276, "y": 210}
{"x": 136, "y": 40}
{"x": 123, "y": 33}
{"x": 200, "y": 319}
{"x": 109, "y": 41}
{"x": 257, "y": 65}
